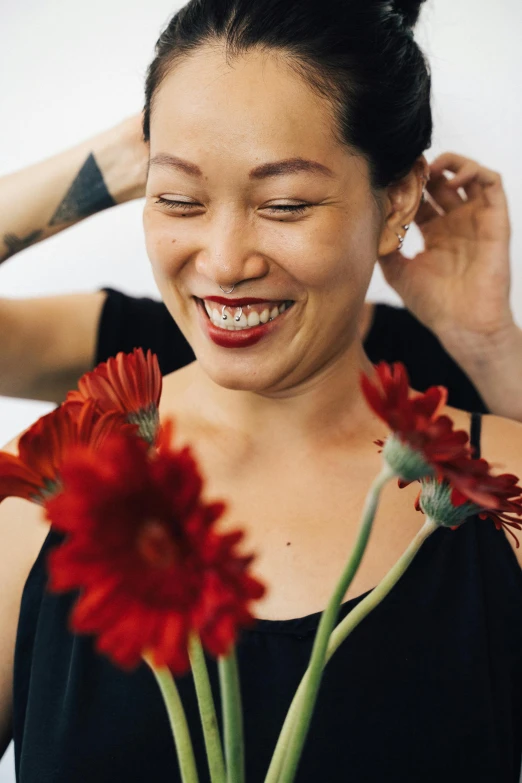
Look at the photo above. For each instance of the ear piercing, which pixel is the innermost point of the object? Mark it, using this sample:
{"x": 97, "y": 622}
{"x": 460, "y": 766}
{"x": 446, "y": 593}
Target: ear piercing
{"x": 401, "y": 239}
{"x": 424, "y": 178}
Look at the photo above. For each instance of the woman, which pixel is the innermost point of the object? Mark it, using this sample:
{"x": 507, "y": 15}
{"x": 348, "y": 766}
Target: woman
{"x": 285, "y": 156}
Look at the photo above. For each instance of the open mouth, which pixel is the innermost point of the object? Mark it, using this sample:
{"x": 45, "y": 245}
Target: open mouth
{"x": 242, "y": 317}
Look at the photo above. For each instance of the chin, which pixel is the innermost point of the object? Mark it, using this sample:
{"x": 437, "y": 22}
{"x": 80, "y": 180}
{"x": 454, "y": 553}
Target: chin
{"x": 243, "y": 374}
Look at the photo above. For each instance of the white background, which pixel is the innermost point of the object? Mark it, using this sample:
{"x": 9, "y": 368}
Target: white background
{"x": 69, "y": 69}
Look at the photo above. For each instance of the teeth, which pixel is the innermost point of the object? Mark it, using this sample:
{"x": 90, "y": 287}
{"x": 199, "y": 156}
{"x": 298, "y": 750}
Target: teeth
{"x": 245, "y": 321}
{"x": 242, "y": 323}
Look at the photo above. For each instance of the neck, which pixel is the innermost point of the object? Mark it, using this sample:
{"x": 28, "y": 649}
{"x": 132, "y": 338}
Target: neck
{"x": 321, "y": 409}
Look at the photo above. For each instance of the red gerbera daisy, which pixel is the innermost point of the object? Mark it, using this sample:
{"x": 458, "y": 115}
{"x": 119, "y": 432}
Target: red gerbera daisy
{"x": 423, "y": 441}
{"x": 143, "y": 547}
{"x": 35, "y": 473}
{"x": 499, "y": 497}
{"x": 129, "y": 383}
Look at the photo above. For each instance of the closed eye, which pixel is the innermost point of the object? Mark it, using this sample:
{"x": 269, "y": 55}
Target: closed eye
{"x": 295, "y": 209}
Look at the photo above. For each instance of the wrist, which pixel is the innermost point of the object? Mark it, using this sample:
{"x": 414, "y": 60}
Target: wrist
{"x": 478, "y": 353}
{"x": 122, "y": 156}
{"x": 494, "y": 366}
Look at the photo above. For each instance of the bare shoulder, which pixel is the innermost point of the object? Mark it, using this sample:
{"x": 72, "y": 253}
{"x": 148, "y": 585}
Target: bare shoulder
{"x": 22, "y": 523}
{"x": 23, "y": 530}
{"x": 501, "y": 445}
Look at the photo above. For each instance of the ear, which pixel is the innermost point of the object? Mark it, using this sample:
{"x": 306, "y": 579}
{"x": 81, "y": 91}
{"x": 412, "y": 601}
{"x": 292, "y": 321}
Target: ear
{"x": 401, "y": 202}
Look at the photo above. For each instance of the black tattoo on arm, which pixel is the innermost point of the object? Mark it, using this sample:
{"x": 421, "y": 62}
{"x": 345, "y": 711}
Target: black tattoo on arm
{"x": 14, "y": 244}
{"x": 88, "y": 194}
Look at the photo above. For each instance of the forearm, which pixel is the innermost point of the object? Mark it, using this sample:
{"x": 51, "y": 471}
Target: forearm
{"x": 494, "y": 366}
{"x": 45, "y": 198}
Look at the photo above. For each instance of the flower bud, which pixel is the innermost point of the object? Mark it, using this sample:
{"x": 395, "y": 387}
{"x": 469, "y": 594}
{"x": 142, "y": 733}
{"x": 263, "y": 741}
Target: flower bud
{"x": 435, "y": 501}
{"x": 406, "y": 462}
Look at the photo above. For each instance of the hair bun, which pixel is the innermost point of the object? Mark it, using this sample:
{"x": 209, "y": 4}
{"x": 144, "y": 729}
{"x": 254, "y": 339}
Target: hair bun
{"x": 409, "y": 9}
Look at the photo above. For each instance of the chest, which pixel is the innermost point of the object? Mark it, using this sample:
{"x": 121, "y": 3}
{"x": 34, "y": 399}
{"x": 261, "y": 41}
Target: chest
{"x": 302, "y": 522}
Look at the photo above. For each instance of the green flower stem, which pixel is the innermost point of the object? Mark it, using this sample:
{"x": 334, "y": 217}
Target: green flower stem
{"x": 290, "y": 744}
{"x": 177, "y": 720}
{"x": 207, "y": 711}
{"x": 232, "y": 717}
{"x": 374, "y": 598}
{"x": 346, "y": 626}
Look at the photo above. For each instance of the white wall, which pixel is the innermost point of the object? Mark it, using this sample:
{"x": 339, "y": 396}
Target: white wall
{"x": 68, "y": 69}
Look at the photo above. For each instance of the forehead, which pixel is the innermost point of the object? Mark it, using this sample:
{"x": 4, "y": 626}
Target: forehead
{"x": 253, "y": 101}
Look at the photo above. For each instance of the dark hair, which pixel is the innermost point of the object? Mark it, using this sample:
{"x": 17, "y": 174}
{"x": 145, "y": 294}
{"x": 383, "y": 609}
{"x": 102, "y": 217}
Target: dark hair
{"x": 360, "y": 54}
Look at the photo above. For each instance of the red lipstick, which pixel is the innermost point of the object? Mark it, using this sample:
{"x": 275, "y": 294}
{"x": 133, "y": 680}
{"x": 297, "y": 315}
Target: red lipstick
{"x": 238, "y": 302}
{"x": 240, "y": 338}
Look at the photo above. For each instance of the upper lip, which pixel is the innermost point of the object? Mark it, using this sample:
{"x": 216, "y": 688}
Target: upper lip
{"x": 238, "y": 302}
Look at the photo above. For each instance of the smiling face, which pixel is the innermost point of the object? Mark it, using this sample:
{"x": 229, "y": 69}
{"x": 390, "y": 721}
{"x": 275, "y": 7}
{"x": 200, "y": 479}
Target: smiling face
{"x": 299, "y": 237}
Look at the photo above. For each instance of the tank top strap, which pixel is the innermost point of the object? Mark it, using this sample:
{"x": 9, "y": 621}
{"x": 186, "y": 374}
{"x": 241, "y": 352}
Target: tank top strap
{"x": 475, "y": 431}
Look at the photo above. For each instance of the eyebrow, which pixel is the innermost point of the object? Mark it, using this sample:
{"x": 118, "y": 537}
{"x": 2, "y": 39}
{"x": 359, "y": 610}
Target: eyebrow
{"x": 275, "y": 169}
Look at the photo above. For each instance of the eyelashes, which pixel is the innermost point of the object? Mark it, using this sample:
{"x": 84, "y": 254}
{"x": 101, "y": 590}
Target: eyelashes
{"x": 188, "y": 206}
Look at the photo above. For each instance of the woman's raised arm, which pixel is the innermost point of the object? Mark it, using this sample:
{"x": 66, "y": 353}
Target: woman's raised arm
{"x": 47, "y": 197}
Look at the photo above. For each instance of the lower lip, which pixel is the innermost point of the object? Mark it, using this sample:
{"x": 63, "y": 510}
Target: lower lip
{"x": 242, "y": 338}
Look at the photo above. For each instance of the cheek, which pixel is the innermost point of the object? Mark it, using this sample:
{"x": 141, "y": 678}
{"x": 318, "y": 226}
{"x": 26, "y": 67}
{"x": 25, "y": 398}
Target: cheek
{"x": 340, "y": 255}
{"x": 163, "y": 248}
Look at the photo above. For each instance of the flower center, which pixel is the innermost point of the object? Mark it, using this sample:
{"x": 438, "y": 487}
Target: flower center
{"x": 156, "y": 546}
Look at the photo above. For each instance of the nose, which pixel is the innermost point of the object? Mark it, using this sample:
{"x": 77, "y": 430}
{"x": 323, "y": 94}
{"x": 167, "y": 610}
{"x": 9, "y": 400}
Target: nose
{"x": 229, "y": 255}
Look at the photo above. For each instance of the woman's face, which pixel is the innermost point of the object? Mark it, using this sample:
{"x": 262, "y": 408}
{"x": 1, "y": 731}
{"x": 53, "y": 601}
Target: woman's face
{"x": 239, "y": 145}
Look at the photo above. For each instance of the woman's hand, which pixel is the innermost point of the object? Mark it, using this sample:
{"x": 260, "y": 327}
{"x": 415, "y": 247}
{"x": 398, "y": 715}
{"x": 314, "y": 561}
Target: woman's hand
{"x": 458, "y": 286}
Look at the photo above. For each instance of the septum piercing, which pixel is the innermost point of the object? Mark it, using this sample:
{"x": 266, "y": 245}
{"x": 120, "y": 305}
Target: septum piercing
{"x": 227, "y": 292}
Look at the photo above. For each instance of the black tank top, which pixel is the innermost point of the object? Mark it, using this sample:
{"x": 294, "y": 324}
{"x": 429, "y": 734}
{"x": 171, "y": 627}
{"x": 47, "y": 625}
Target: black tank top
{"x": 427, "y": 689}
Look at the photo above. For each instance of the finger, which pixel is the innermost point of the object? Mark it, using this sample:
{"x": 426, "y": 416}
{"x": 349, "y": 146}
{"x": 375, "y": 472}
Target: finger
{"x": 445, "y": 196}
{"x": 448, "y": 161}
{"x": 480, "y": 182}
{"x": 425, "y": 213}
{"x": 493, "y": 192}
{"x": 465, "y": 171}
{"x": 469, "y": 175}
